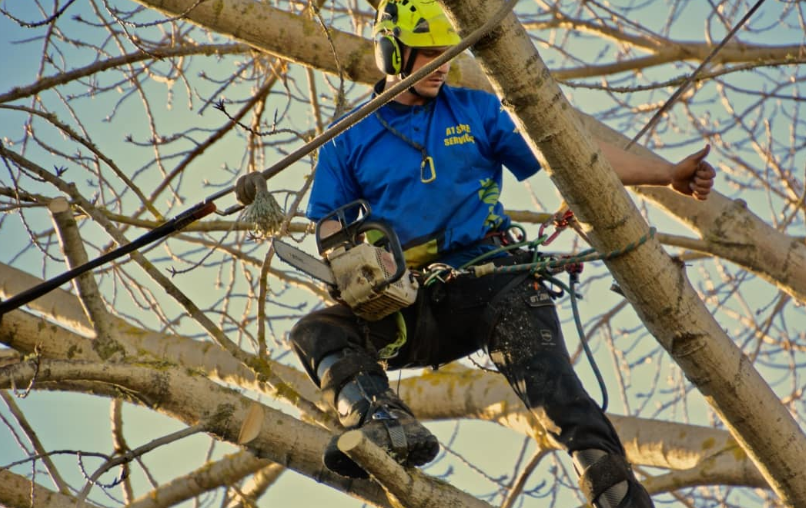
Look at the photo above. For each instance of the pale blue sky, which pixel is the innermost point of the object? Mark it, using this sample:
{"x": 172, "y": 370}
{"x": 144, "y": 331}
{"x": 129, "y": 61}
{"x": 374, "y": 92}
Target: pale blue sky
{"x": 79, "y": 422}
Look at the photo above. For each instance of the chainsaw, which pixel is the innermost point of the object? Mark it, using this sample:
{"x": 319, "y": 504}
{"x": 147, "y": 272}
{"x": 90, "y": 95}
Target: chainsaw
{"x": 371, "y": 278}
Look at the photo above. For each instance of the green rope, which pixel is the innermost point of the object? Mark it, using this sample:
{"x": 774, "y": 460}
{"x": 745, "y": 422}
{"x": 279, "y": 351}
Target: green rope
{"x": 435, "y": 275}
{"x": 391, "y": 350}
{"x": 548, "y": 264}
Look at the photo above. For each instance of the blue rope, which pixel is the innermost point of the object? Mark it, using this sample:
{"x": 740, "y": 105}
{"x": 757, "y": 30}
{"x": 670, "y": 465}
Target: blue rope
{"x": 585, "y": 346}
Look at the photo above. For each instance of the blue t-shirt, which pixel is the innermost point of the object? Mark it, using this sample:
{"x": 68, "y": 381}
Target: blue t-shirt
{"x": 439, "y": 215}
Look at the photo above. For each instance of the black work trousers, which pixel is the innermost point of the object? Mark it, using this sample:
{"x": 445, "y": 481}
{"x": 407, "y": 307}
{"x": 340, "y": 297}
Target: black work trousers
{"x": 512, "y": 316}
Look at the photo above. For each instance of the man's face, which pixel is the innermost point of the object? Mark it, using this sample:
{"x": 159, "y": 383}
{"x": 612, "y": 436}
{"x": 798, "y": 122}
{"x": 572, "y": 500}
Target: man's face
{"x": 430, "y": 85}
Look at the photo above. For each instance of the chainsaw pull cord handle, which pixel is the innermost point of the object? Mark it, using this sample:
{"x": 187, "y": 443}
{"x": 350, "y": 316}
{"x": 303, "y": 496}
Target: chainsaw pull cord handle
{"x": 179, "y": 222}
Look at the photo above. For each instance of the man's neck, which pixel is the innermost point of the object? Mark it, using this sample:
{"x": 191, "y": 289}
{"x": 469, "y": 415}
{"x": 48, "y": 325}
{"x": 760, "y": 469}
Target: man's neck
{"x": 407, "y": 98}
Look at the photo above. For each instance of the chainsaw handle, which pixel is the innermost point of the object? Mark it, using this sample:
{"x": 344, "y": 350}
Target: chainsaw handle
{"x": 391, "y": 243}
{"x": 348, "y": 233}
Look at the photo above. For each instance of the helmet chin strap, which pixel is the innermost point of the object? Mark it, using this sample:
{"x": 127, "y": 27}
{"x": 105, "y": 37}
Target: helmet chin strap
{"x": 407, "y": 66}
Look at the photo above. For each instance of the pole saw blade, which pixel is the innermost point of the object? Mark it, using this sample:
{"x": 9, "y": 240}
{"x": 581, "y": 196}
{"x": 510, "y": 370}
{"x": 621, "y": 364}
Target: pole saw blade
{"x": 304, "y": 262}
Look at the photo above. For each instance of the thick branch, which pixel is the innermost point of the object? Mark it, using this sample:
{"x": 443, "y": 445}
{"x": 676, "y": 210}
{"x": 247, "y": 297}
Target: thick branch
{"x": 457, "y": 392}
{"x": 195, "y": 399}
{"x": 731, "y": 230}
{"x": 450, "y": 393}
{"x": 23, "y": 332}
{"x": 662, "y": 50}
{"x": 257, "y": 485}
{"x": 73, "y": 248}
{"x": 59, "y": 305}
{"x": 16, "y": 493}
{"x": 226, "y": 471}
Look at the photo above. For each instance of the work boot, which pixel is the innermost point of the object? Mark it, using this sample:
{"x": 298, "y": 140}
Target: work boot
{"x": 607, "y": 480}
{"x": 385, "y": 420}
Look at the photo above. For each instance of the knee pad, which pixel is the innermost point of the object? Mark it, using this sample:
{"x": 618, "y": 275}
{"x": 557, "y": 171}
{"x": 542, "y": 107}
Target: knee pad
{"x": 316, "y": 336}
{"x": 607, "y": 481}
{"x": 341, "y": 367}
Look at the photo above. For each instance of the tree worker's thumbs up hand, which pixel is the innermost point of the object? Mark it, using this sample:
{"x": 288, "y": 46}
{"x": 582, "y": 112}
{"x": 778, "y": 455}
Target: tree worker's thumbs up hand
{"x": 693, "y": 176}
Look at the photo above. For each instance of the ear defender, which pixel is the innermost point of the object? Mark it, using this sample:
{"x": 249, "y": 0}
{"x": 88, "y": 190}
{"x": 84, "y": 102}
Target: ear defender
{"x": 388, "y": 56}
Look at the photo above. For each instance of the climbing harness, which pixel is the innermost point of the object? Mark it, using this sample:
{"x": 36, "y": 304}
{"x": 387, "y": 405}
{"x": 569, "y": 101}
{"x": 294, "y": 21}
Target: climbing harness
{"x": 544, "y": 267}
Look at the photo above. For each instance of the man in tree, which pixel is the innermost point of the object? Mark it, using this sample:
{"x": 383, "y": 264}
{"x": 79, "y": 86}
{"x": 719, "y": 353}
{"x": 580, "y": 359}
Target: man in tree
{"x": 430, "y": 164}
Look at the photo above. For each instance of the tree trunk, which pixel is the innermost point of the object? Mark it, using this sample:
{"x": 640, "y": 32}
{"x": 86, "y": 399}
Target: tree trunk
{"x": 656, "y": 287}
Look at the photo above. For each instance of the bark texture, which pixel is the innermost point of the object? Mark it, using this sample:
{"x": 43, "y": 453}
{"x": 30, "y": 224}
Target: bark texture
{"x": 656, "y": 287}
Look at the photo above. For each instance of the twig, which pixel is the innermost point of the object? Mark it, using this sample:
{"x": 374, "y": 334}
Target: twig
{"x": 36, "y": 359}
{"x": 60, "y": 79}
{"x": 45, "y": 21}
{"x": 34, "y": 440}
{"x": 523, "y": 477}
{"x": 130, "y": 455}
{"x": 119, "y": 442}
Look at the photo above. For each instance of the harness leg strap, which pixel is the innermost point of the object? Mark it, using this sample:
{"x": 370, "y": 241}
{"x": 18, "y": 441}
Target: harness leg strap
{"x": 397, "y": 436}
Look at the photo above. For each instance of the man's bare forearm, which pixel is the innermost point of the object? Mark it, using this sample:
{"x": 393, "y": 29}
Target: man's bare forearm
{"x": 636, "y": 170}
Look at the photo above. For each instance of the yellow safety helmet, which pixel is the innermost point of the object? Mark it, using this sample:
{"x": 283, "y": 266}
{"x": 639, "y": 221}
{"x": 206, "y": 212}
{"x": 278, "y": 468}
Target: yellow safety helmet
{"x": 414, "y": 23}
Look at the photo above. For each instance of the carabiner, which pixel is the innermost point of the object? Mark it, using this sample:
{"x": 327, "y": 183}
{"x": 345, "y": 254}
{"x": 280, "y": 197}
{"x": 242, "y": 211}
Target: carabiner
{"x": 428, "y": 161}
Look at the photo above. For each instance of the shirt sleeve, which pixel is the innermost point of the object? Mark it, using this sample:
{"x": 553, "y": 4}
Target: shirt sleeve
{"x": 508, "y": 145}
{"x": 333, "y": 182}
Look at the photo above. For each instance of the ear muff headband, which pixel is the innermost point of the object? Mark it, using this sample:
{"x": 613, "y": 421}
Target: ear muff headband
{"x": 388, "y": 56}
